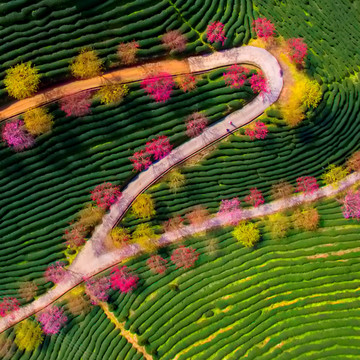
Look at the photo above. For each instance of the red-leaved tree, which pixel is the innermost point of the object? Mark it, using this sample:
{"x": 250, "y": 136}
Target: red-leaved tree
{"x": 264, "y": 28}
{"x": 105, "y": 195}
{"x": 123, "y": 279}
{"x": 75, "y": 236}
{"x": 157, "y": 264}
{"x": 306, "y": 184}
{"x": 174, "y": 40}
{"x": 15, "y": 135}
{"x": 259, "y": 131}
{"x": 215, "y": 32}
{"x": 8, "y": 306}
{"x": 235, "y": 76}
{"x": 184, "y": 257}
{"x": 230, "y": 211}
{"x": 297, "y": 50}
{"x": 141, "y": 160}
{"x": 98, "y": 289}
{"x": 259, "y": 84}
{"x": 195, "y": 124}
{"x": 351, "y": 205}
{"x": 255, "y": 198}
{"x": 76, "y": 104}
{"x": 159, "y": 147}
{"x": 159, "y": 86}
{"x": 56, "y": 272}
{"x": 52, "y": 320}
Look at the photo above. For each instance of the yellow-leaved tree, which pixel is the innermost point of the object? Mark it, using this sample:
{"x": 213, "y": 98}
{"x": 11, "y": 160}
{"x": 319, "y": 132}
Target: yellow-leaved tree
{"x": 143, "y": 207}
{"x": 176, "y": 180}
{"x": 38, "y": 121}
{"x": 28, "y": 335}
{"x": 119, "y": 236}
{"x": 247, "y": 233}
{"x": 22, "y": 80}
{"x": 112, "y": 93}
{"x": 334, "y": 174}
{"x": 86, "y": 65}
{"x": 278, "y": 224}
{"x": 145, "y": 236}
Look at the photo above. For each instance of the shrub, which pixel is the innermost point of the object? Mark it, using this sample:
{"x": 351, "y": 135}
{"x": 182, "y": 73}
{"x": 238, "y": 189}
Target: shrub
{"x": 235, "y": 76}
{"x": 76, "y": 104}
{"x": 112, "y": 93}
{"x": 186, "y": 82}
{"x": 351, "y": 205}
{"x": 22, "y": 80}
{"x": 263, "y": 28}
{"x": 198, "y": 215}
{"x": 123, "y": 279}
{"x": 8, "y": 306}
{"x": 52, "y": 320}
{"x": 195, "y": 124}
{"x": 105, "y": 195}
{"x": 278, "y": 225}
{"x": 230, "y": 211}
{"x": 27, "y": 290}
{"x": 297, "y": 50}
{"x": 38, "y": 121}
{"x": 173, "y": 224}
{"x": 6, "y": 347}
{"x": 98, "y": 289}
{"x": 158, "y": 86}
{"x": 28, "y": 335}
{"x": 184, "y": 257}
{"x": 306, "y": 184}
{"x": 90, "y": 216}
{"x": 306, "y": 219}
{"x": 156, "y": 264}
{"x": 56, "y": 272}
{"x": 174, "y": 40}
{"x": 255, "y": 198}
{"x": 176, "y": 180}
{"x": 143, "y": 207}
{"x": 215, "y": 32}
{"x": 334, "y": 174}
{"x": 247, "y": 233}
{"x": 86, "y": 64}
{"x": 15, "y": 135}
{"x": 78, "y": 305}
{"x": 127, "y": 52}
{"x": 353, "y": 163}
{"x": 145, "y": 236}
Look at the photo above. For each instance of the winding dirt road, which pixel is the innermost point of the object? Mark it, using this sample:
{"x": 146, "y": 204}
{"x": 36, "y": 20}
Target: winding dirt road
{"x": 91, "y": 260}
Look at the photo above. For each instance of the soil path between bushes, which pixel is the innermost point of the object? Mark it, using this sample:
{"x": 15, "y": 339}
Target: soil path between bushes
{"x": 93, "y": 259}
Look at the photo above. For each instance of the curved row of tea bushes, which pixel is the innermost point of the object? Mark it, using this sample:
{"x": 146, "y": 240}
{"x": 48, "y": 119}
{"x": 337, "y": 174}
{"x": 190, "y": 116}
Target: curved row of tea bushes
{"x": 51, "y": 38}
{"x": 332, "y": 32}
{"x": 285, "y": 298}
{"x": 46, "y": 186}
{"x": 331, "y": 134}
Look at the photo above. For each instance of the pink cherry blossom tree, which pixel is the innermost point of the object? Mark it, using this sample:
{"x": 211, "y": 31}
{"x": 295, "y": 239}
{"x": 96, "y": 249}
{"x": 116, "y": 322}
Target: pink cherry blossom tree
{"x": 159, "y": 86}
{"x": 215, "y": 32}
{"x": 264, "y": 28}
{"x": 259, "y": 131}
{"x": 306, "y": 184}
{"x": 259, "y": 84}
{"x": 8, "y": 306}
{"x": 297, "y": 50}
{"x": 184, "y": 257}
{"x": 235, "y": 76}
{"x": 123, "y": 279}
{"x": 105, "y": 195}
{"x": 255, "y": 198}
{"x": 157, "y": 264}
{"x": 230, "y": 211}
{"x": 195, "y": 124}
{"x": 351, "y": 205}
{"x": 98, "y": 289}
{"x": 159, "y": 147}
{"x": 52, "y": 320}
{"x": 141, "y": 160}
{"x": 56, "y": 272}
{"x": 15, "y": 135}
{"x": 76, "y": 104}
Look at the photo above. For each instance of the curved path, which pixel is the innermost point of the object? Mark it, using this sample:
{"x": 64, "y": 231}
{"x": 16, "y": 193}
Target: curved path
{"x": 91, "y": 259}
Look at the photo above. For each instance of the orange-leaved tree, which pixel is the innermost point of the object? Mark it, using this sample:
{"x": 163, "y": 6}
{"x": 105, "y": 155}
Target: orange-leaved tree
{"x": 22, "y": 80}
